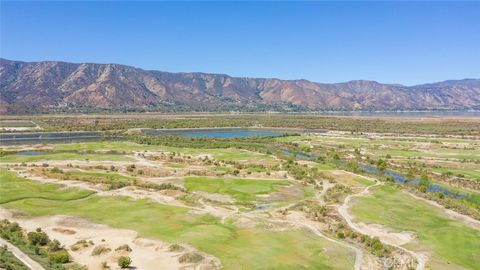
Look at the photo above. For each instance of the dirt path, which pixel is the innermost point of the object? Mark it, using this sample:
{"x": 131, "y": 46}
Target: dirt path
{"x": 343, "y": 211}
{"x": 29, "y": 262}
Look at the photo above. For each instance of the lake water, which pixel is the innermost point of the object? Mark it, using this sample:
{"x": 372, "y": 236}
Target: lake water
{"x": 31, "y": 153}
{"x": 229, "y": 134}
{"x": 48, "y": 137}
{"x": 215, "y": 132}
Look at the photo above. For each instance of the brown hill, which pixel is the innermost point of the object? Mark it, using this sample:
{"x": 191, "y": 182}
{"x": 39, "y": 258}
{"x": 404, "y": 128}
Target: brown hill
{"x": 54, "y": 86}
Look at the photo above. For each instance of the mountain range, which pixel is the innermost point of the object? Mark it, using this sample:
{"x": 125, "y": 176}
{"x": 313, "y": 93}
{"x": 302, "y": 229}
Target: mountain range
{"x": 47, "y": 86}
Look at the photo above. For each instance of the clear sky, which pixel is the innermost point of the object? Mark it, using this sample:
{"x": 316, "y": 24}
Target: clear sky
{"x": 391, "y": 42}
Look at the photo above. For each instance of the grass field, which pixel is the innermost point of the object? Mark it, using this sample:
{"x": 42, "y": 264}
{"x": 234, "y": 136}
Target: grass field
{"x": 451, "y": 243}
{"x": 220, "y": 154}
{"x": 14, "y": 188}
{"x": 467, "y": 173}
{"x": 63, "y": 156}
{"x": 17, "y": 124}
{"x": 243, "y": 190}
{"x": 105, "y": 176}
{"x": 237, "y": 248}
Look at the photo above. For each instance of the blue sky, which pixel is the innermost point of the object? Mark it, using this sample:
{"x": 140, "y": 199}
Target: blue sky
{"x": 391, "y": 42}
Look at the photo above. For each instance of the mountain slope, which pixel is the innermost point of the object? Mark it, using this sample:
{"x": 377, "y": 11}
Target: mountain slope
{"x": 49, "y": 86}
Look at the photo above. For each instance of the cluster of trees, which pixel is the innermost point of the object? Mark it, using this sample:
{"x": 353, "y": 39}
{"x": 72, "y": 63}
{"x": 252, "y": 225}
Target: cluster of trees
{"x": 301, "y": 172}
{"x": 313, "y": 122}
{"x": 373, "y": 244}
{"x": 112, "y": 181}
{"x": 37, "y": 244}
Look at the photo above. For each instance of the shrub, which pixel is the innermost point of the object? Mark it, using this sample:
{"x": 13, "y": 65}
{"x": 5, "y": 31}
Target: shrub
{"x": 56, "y": 170}
{"x": 104, "y": 265}
{"x": 191, "y": 257}
{"x": 124, "y": 248}
{"x": 175, "y": 248}
{"x": 124, "y": 262}
{"x": 59, "y": 257}
{"x": 100, "y": 250}
{"x": 54, "y": 246}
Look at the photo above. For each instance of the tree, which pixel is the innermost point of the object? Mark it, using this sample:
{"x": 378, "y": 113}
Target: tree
{"x": 381, "y": 165}
{"x": 54, "y": 245}
{"x": 38, "y": 238}
{"x": 124, "y": 261}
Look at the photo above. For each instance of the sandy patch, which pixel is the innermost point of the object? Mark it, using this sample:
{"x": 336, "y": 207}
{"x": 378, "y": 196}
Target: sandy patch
{"x": 217, "y": 197}
{"x": 145, "y": 254}
{"x": 386, "y": 234}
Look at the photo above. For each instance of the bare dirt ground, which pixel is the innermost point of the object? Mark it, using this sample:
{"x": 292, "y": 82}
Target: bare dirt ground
{"x": 145, "y": 254}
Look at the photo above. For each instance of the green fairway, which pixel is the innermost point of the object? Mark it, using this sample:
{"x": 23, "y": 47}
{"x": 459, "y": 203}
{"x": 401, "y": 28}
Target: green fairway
{"x": 108, "y": 175}
{"x": 99, "y": 177}
{"x": 451, "y": 243}
{"x": 243, "y": 190}
{"x": 467, "y": 173}
{"x": 63, "y": 156}
{"x": 237, "y": 248}
{"x": 325, "y": 167}
{"x": 120, "y": 146}
{"x": 14, "y": 188}
{"x": 16, "y": 124}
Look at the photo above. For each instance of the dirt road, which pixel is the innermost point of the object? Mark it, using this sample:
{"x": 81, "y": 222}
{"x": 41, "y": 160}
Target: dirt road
{"x": 30, "y": 263}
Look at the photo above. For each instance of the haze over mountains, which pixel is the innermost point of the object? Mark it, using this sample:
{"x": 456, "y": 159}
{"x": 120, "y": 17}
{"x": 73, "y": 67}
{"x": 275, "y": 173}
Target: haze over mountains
{"x": 59, "y": 86}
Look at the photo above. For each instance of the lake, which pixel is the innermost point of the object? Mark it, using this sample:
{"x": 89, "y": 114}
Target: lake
{"x": 217, "y": 132}
{"x": 48, "y": 137}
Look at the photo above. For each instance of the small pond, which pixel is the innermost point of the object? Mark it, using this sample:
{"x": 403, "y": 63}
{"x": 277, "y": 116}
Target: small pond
{"x": 32, "y": 153}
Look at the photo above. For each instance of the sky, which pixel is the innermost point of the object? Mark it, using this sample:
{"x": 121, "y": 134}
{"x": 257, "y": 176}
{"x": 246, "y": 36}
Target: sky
{"x": 391, "y": 42}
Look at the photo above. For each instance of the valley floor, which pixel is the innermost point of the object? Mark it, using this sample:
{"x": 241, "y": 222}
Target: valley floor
{"x": 288, "y": 202}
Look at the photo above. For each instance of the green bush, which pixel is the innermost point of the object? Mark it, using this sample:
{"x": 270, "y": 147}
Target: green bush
{"x": 38, "y": 238}
{"x": 59, "y": 257}
{"x": 124, "y": 262}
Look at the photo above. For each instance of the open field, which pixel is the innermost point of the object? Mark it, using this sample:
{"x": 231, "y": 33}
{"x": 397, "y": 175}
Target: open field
{"x": 176, "y": 225}
{"x": 63, "y": 157}
{"x": 243, "y": 190}
{"x": 449, "y": 243}
{"x": 254, "y": 203}
{"x": 14, "y": 188}
{"x": 13, "y": 123}
{"x": 448, "y": 125}
{"x": 220, "y": 154}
